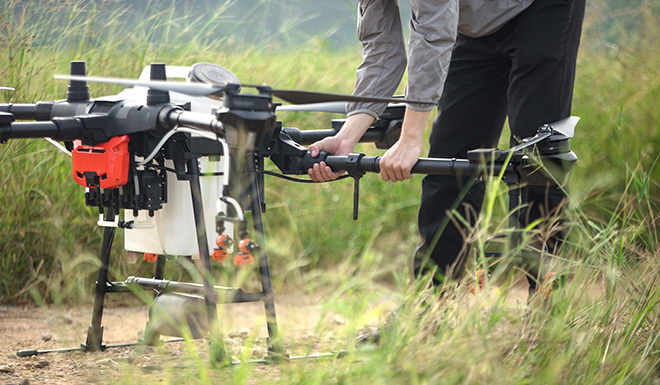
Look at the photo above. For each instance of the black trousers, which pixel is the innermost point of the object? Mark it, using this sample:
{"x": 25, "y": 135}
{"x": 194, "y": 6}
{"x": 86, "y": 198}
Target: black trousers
{"x": 524, "y": 71}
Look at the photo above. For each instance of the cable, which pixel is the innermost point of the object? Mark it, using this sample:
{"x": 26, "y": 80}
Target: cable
{"x": 158, "y": 146}
{"x": 206, "y": 134}
{"x": 59, "y": 146}
{"x": 158, "y": 167}
{"x": 168, "y": 135}
{"x": 292, "y": 179}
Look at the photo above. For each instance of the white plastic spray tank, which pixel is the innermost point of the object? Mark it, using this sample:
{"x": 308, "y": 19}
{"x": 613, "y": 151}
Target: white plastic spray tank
{"x": 171, "y": 230}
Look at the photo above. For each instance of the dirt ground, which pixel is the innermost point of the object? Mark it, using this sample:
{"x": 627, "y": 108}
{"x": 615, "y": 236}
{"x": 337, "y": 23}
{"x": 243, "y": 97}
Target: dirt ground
{"x": 56, "y": 327}
{"x": 304, "y": 325}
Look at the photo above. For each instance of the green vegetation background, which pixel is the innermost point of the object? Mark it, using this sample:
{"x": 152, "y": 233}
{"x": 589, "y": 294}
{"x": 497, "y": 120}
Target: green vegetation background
{"x": 48, "y": 238}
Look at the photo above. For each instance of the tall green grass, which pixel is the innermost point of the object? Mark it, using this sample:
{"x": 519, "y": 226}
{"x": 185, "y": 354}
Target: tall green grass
{"x": 616, "y": 95}
{"x": 48, "y": 240}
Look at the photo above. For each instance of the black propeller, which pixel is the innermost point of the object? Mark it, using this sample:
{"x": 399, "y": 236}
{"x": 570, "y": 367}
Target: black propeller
{"x": 203, "y": 89}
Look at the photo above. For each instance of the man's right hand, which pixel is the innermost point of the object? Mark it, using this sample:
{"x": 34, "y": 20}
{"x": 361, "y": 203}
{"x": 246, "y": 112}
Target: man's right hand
{"x": 340, "y": 144}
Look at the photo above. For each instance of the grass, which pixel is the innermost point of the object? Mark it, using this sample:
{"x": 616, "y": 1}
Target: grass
{"x": 48, "y": 240}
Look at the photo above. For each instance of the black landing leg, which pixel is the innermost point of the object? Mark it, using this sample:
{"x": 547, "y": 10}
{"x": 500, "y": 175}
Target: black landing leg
{"x": 210, "y": 296}
{"x": 275, "y": 350}
{"x": 94, "y": 341}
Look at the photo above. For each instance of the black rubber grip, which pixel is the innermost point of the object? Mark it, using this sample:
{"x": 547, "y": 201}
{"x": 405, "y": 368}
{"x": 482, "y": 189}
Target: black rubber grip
{"x": 370, "y": 164}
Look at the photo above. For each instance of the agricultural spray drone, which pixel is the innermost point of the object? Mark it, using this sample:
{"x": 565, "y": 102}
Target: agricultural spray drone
{"x": 183, "y": 160}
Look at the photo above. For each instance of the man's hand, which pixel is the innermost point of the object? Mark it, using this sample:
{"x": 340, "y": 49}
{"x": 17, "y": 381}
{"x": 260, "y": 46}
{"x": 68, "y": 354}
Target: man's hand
{"x": 340, "y": 144}
{"x": 335, "y": 145}
{"x": 397, "y": 162}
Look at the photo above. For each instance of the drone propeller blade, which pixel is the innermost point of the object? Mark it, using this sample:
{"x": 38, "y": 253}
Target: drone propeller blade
{"x": 333, "y": 107}
{"x": 7, "y": 89}
{"x": 192, "y": 89}
{"x": 309, "y": 97}
{"x": 566, "y": 126}
{"x": 203, "y": 89}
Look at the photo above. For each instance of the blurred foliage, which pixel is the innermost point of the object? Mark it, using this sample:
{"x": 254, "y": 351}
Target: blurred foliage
{"x": 49, "y": 239}
{"x": 600, "y": 328}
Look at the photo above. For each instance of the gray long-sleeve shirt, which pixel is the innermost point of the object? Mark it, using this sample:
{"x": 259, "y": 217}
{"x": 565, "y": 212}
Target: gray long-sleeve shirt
{"x": 433, "y": 28}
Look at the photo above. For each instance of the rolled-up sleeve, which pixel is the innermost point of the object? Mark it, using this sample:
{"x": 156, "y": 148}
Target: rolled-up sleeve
{"x": 383, "y": 54}
{"x": 433, "y": 29}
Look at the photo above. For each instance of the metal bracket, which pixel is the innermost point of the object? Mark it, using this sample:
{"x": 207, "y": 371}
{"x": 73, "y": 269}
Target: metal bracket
{"x": 116, "y": 223}
{"x": 355, "y": 172}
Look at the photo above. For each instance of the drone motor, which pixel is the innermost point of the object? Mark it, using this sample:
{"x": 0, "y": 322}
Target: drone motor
{"x": 212, "y": 74}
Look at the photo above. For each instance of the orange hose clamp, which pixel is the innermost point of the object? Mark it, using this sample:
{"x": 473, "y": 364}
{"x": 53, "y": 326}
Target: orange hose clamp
{"x": 219, "y": 254}
{"x": 104, "y": 165}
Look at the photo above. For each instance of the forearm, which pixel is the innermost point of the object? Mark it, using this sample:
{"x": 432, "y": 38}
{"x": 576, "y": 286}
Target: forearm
{"x": 355, "y": 127}
{"x": 413, "y": 126}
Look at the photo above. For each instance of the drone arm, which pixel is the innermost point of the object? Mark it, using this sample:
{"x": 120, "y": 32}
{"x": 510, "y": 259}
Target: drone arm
{"x": 20, "y": 111}
{"x": 299, "y": 161}
{"x": 177, "y": 117}
{"x": 427, "y": 166}
{"x": 308, "y": 137}
{"x": 18, "y": 130}
{"x": 88, "y": 128}
{"x": 38, "y": 111}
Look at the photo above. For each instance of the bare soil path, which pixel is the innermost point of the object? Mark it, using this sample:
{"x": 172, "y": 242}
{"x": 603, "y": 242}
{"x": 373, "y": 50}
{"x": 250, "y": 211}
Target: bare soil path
{"x": 57, "y": 327}
{"x": 304, "y": 325}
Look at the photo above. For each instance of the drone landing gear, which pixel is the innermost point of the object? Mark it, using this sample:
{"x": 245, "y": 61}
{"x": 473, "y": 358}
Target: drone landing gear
{"x": 94, "y": 341}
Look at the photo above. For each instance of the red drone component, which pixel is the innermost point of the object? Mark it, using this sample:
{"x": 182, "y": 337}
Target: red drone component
{"x": 244, "y": 255}
{"x": 150, "y": 257}
{"x": 104, "y": 165}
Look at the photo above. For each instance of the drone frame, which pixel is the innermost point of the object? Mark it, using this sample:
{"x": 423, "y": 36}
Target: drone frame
{"x": 249, "y": 124}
